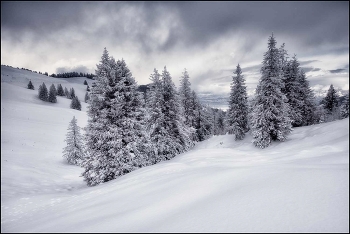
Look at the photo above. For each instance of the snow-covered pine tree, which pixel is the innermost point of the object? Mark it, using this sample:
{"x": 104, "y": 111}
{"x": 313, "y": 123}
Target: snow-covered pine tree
{"x": 294, "y": 91}
{"x": 30, "y": 85}
{"x": 114, "y": 133}
{"x": 344, "y": 108}
{"x": 85, "y": 82}
{"x": 66, "y": 92}
{"x": 219, "y": 121}
{"x": 155, "y": 117}
{"x": 203, "y": 121}
{"x": 75, "y": 103}
{"x": 74, "y": 151}
{"x": 52, "y": 94}
{"x": 60, "y": 91}
{"x": 169, "y": 133}
{"x": 237, "y": 114}
{"x": 71, "y": 93}
{"x": 309, "y": 108}
{"x": 270, "y": 112}
{"x": 43, "y": 93}
{"x": 185, "y": 97}
{"x": 86, "y": 99}
{"x": 88, "y": 88}
{"x": 331, "y": 100}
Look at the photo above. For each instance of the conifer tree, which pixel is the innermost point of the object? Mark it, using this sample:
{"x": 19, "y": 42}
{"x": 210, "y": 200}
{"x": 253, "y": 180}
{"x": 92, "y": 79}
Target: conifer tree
{"x": 155, "y": 115}
{"x": 114, "y": 133}
{"x": 66, "y": 92}
{"x": 88, "y": 88}
{"x": 309, "y": 109}
{"x": 75, "y": 103}
{"x": 237, "y": 114}
{"x": 185, "y": 97}
{"x": 60, "y": 91}
{"x": 86, "y": 99}
{"x": 30, "y": 85}
{"x": 74, "y": 151}
{"x": 52, "y": 94}
{"x": 85, "y": 82}
{"x": 168, "y": 132}
{"x": 270, "y": 116}
{"x": 331, "y": 100}
{"x": 344, "y": 108}
{"x": 294, "y": 91}
{"x": 71, "y": 93}
{"x": 43, "y": 93}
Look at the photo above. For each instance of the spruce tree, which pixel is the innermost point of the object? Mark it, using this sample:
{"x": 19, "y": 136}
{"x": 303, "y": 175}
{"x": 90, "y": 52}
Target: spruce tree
{"x": 167, "y": 131}
{"x": 270, "y": 112}
{"x": 185, "y": 97}
{"x": 344, "y": 108}
{"x": 294, "y": 91}
{"x": 43, "y": 93}
{"x": 60, "y": 91}
{"x": 75, "y": 103}
{"x": 30, "y": 85}
{"x": 74, "y": 151}
{"x": 331, "y": 100}
{"x": 71, "y": 93}
{"x": 85, "y": 82}
{"x": 114, "y": 133}
{"x": 308, "y": 111}
{"x": 155, "y": 115}
{"x": 66, "y": 92}
{"x": 86, "y": 99}
{"x": 52, "y": 94}
{"x": 237, "y": 114}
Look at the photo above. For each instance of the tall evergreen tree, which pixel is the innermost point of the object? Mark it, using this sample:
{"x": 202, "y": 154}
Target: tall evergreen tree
{"x": 86, "y": 99}
{"x": 185, "y": 97}
{"x": 331, "y": 100}
{"x": 60, "y": 91}
{"x": 154, "y": 100}
{"x": 75, "y": 103}
{"x": 237, "y": 114}
{"x": 30, "y": 85}
{"x": 169, "y": 132}
{"x": 344, "y": 108}
{"x": 294, "y": 91}
{"x": 115, "y": 127}
{"x": 269, "y": 118}
{"x": 85, "y": 82}
{"x": 74, "y": 151}
{"x": 52, "y": 94}
{"x": 71, "y": 93}
{"x": 66, "y": 92}
{"x": 309, "y": 109}
{"x": 43, "y": 93}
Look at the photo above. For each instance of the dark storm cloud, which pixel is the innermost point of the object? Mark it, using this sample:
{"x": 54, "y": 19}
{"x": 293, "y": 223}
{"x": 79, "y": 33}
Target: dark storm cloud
{"x": 200, "y": 22}
{"x": 308, "y": 69}
{"x": 337, "y": 71}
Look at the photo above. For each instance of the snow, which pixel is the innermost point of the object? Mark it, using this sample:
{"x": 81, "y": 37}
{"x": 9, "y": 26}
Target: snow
{"x": 301, "y": 185}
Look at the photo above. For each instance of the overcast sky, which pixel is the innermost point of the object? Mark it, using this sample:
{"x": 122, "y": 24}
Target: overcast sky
{"x": 209, "y": 39}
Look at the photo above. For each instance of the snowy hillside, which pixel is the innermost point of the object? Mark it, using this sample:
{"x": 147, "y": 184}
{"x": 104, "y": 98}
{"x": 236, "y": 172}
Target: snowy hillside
{"x": 301, "y": 185}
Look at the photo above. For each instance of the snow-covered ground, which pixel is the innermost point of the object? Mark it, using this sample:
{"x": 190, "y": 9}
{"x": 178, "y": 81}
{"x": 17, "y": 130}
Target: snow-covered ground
{"x": 301, "y": 185}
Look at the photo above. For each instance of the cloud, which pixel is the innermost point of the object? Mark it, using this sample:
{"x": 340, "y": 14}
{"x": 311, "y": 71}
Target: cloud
{"x": 336, "y": 71}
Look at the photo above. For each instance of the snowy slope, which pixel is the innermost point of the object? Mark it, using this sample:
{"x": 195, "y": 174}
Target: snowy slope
{"x": 301, "y": 185}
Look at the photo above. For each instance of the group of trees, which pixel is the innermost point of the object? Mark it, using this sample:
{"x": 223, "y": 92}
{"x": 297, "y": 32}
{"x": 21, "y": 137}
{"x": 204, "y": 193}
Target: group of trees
{"x": 283, "y": 99}
{"x": 51, "y": 95}
{"x": 128, "y": 129}
{"x": 72, "y": 74}
{"x": 334, "y": 108}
